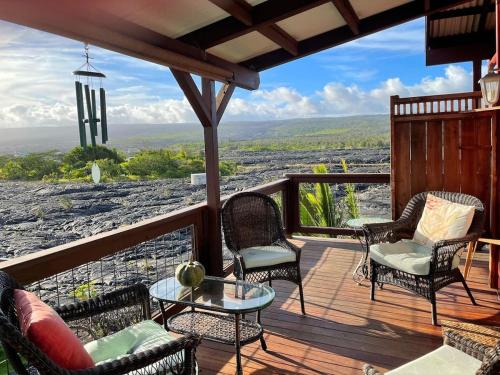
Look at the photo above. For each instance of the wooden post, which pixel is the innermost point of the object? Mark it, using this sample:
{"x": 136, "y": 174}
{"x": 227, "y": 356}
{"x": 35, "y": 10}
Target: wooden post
{"x": 209, "y": 109}
{"x": 476, "y": 75}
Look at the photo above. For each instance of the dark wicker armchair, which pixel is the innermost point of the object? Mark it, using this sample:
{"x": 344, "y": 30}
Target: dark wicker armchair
{"x": 254, "y": 234}
{"x": 92, "y": 319}
{"x": 486, "y": 358}
{"x": 443, "y": 270}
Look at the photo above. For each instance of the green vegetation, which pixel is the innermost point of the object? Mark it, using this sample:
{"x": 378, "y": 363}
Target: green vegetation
{"x": 320, "y": 206}
{"x": 76, "y": 165}
{"x": 85, "y": 291}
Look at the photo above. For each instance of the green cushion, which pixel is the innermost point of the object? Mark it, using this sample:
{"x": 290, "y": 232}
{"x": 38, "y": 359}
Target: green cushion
{"x": 262, "y": 256}
{"x": 405, "y": 255}
{"x": 445, "y": 360}
{"x": 135, "y": 339}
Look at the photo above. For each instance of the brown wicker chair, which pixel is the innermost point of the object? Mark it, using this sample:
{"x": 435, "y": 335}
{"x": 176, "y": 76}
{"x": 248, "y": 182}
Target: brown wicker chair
{"x": 488, "y": 355}
{"x": 94, "y": 318}
{"x": 442, "y": 272}
{"x": 252, "y": 220}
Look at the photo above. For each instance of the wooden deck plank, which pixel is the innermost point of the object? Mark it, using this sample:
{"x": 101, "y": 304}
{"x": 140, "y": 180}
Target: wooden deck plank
{"x": 343, "y": 329}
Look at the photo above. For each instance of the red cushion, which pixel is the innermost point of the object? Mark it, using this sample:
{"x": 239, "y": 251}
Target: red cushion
{"x": 46, "y": 329}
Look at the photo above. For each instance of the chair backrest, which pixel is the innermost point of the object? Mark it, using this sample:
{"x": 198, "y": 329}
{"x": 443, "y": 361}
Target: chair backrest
{"x": 14, "y": 343}
{"x": 415, "y": 207}
{"x": 251, "y": 219}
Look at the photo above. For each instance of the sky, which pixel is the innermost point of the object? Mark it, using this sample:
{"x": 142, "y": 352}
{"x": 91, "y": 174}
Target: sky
{"x": 37, "y": 85}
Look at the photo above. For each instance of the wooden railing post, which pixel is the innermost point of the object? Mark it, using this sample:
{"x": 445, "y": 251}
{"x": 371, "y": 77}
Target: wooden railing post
{"x": 292, "y": 219}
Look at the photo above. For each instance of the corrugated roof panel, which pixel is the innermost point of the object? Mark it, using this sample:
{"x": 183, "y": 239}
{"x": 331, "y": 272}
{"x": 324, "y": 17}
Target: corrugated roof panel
{"x": 313, "y": 22}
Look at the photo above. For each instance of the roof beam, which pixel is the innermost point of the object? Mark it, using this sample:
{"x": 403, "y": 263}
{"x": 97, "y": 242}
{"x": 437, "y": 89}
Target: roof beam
{"x": 368, "y": 25}
{"x": 348, "y": 13}
{"x": 242, "y": 11}
{"x": 481, "y": 27}
{"x": 92, "y": 26}
{"x": 264, "y": 14}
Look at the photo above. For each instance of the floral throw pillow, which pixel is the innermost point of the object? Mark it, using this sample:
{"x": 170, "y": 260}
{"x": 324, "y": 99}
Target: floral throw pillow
{"x": 442, "y": 220}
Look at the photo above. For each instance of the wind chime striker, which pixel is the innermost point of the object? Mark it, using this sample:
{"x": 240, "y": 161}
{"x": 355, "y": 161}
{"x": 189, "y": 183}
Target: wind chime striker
{"x": 88, "y": 74}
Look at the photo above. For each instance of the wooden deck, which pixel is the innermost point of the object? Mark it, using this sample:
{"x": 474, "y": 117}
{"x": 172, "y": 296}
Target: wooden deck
{"x": 343, "y": 328}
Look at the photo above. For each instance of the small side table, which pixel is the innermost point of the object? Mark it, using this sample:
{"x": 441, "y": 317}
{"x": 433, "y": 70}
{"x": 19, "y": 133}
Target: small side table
{"x": 217, "y": 309}
{"x": 361, "y": 272}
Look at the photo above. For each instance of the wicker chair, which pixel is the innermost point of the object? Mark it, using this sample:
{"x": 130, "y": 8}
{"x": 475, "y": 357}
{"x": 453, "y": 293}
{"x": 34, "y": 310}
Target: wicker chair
{"x": 442, "y": 271}
{"x": 92, "y": 319}
{"x": 254, "y": 234}
{"x": 472, "y": 358}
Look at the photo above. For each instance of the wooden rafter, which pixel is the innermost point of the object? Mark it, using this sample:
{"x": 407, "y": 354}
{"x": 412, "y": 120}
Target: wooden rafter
{"x": 348, "y": 13}
{"x": 461, "y": 12}
{"x": 87, "y": 24}
{"x": 264, "y": 14}
{"x": 242, "y": 11}
{"x": 368, "y": 25}
{"x": 223, "y": 97}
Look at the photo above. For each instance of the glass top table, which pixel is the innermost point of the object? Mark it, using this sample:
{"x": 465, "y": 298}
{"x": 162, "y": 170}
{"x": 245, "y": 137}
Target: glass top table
{"x": 216, "y": 294}
{"x": 207, "y": 301}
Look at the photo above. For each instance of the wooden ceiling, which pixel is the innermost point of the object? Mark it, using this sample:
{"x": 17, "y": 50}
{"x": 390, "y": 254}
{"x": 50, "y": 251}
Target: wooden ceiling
{"x": 226, "y": 40}
{"x": 462, "y": 33}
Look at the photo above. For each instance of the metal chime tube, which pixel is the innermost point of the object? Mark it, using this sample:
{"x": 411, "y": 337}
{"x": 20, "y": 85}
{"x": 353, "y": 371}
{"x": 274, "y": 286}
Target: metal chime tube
{"x": 94, "y": 111}
{"x": 104, "y": 119}
{"x": 91, "y": 115}
{"x": 81, "y": 114}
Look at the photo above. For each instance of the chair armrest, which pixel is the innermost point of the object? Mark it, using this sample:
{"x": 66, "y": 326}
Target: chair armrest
{"x": 444, "y": 251}
{"x": 388, "y": 232}
{"x": 128, "y": 296}
{"x": 470, "y": 347}
{"x": 370, "y": 370}
{"x": 125, "y": 365}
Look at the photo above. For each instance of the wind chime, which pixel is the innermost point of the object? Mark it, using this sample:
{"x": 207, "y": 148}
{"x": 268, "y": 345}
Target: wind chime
{"x": 88, "y": 74}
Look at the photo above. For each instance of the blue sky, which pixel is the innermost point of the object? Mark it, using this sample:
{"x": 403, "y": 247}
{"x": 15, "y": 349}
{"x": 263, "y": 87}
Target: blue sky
{"x": 36, "y": 84}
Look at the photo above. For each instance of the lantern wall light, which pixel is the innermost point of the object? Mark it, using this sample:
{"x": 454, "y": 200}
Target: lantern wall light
{"x": 490, "y": 87}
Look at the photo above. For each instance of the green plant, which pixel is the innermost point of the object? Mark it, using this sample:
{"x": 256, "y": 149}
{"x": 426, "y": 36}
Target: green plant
{"x": 85, "y": 291}
{"x": 66, "y": 203}
{"x": 320, "y": 207}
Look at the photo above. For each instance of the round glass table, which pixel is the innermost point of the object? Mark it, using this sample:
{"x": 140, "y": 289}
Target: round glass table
{"x": 361, "y": 272}
{"x": 213, "y": 296}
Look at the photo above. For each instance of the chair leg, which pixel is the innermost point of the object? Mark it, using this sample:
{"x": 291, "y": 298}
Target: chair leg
{"x": 301, "y": 293}
{"x": 433, "y": 308}
{"x": 373, "y": 278}
{"x": 466, "y": 287}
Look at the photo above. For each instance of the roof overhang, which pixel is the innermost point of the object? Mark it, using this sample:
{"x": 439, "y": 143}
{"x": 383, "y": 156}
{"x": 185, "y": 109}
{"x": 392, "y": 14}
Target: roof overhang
{"x": 226, "y": 40}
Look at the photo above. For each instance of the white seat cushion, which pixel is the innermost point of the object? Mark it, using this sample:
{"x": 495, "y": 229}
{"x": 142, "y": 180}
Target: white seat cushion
{"x": 442, "y": 220}
{"x": 134, "y": 339}
{"x": 262, "y": 256}
{"x": 445, "y": 360}
{"x": 406, "y": 255}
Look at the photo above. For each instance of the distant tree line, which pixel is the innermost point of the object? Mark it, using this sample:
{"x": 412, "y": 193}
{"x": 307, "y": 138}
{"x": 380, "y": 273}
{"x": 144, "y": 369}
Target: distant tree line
{"x": 76, "y": 165}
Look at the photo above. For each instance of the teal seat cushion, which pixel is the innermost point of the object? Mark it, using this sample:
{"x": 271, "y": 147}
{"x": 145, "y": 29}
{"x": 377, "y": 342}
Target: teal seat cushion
{"x": 134, "y": 339}
{"x": 445, "y": 360}
{"x": 406, "y": 255}
{"x": 263, "y": 256}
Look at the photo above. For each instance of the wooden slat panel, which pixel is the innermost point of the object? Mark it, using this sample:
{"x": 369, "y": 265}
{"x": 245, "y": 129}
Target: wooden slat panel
{"x": 482, "y": 167}
{"x": 468, "y": 156}
{"x": 400, "y": 165}
{"x": 451, "y": 155}
{"x": 434, "y": 162}
{"x": 417, "y": 156}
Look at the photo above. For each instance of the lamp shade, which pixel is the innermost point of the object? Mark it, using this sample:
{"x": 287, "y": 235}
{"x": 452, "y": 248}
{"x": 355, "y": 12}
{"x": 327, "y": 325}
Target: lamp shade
{"x": 490, "y": 88}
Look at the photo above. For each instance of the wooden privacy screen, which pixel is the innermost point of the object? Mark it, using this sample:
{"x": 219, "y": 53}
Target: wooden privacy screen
{"x": 444, "y": 143}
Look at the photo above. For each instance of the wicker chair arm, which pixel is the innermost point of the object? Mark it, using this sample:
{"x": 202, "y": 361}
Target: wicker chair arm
{"x": 470, "y": 237}
{"x": 443, "y": 252}
{"x": 370, "y": 370}
{"x": 470, "y": 347}
{"x": 388, "y": 232}
{"x": 143, "y": 359}
{"x": 129, "y": 296}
